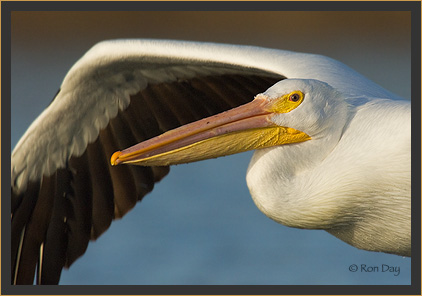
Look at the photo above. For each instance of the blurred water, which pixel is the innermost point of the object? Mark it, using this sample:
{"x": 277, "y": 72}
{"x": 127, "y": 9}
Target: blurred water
{"x": 200, "y": 226}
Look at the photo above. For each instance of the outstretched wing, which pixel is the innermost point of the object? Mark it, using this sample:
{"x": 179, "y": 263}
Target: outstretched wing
{"x": 64, "y": 190}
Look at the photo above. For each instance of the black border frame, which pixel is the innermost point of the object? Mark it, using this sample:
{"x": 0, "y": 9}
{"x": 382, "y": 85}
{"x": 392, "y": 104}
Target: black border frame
{"x": 414, "y": 6}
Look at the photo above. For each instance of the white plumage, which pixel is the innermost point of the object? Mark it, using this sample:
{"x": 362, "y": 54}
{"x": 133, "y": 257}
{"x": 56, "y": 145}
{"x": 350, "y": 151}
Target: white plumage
{"x": 347, "y": 179}
{"x": 352, "y": 178}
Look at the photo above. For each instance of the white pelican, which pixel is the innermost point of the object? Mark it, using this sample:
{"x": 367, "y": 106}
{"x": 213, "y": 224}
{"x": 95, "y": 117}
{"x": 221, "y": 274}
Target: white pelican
{"x": 333, "y": 147}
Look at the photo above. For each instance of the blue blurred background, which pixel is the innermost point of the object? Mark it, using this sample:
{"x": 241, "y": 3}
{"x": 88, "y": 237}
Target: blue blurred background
{"x": 200, "y": 226}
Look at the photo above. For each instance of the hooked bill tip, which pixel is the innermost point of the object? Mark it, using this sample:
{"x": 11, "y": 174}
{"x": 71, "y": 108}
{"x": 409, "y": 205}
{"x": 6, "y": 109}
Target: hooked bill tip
{"x": 115, "y": 158}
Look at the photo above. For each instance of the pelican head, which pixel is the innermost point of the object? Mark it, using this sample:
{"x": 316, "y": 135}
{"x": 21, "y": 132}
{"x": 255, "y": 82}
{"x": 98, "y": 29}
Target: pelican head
{"x": 291, "y": 111}
{"x": 318, "y": 111}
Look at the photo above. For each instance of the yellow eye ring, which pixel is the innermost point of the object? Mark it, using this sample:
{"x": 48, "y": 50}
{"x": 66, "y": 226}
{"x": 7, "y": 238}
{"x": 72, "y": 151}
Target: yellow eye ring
{"x": 287, "y": 102}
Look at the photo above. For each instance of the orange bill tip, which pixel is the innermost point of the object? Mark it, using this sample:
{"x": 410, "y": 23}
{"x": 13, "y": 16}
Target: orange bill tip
{"x": 114, "y": 158}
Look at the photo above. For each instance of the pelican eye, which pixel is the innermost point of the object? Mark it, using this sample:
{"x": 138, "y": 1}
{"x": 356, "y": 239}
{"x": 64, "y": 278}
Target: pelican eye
{"x": 294, "y": 97}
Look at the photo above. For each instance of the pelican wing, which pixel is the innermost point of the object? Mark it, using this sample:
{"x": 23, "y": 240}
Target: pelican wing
{"x": 64, "y": 190}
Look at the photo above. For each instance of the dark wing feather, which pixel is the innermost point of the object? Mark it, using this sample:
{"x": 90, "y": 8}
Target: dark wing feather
{"x": 54, "y": 253}
{"x": 53, "y": 220}
{"x": 102, "y": 189}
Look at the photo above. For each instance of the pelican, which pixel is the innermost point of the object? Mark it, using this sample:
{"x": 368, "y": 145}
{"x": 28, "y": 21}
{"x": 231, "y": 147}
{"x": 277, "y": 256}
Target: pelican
{"x": 332, "y": 149}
